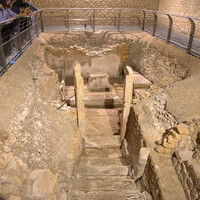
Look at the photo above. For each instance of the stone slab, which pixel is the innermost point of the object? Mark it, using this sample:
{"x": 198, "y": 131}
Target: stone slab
{"x": 102, "y": 125}
{"x": 103, "y": 183}
{"x": 103, "y": 152}
{"x": 110, "y": 195}
{"x": 101, "y": 112}
{"x": 140, "y": 81}
{"x": 98, "y": 83}
{"x": 102, "y": 142}
{"x": 98, "y": 161}
{"x": 109, "y": 170}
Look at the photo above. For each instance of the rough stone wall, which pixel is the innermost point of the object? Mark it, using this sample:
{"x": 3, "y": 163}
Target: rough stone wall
{"x": 141, "y": 132}
{"x": 159, "y": 62}
{"x": 188, "y": 176}
{"x": 91, "y": 50}
{"x": 34, "y": 133}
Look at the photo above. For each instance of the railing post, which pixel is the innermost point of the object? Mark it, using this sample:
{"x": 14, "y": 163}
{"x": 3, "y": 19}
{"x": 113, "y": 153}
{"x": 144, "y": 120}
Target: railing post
{"x": 19, "y": 36}
{"x": 191, "y": 35}
{"x": 3, "y": 63}
{"x": 144, "y": 20}
{"x": 29, "y": 30}
{"x": 67, "y": 19}
{"x": 36, "y": 16}
{"x": 170, "y": 28}
{"x": 41, "y": 19}
{"x": 93, "y": 20}
{"x": 119, "y": 19}
{"x": 155, "y": 23}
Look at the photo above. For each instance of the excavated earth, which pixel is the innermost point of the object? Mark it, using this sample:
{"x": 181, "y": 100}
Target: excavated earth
{"x": 39, "y": 138}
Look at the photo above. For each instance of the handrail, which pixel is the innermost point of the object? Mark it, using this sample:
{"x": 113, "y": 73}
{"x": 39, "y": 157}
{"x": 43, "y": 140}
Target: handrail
{"x": 118, "y": 20}
{"x": 16, "y": 35}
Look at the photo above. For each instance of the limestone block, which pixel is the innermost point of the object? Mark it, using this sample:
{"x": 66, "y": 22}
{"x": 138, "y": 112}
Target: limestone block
{"x": 183, "y": 129}
{"x": 171, "y": 140}
{"x": 4, "y": 159}
{"x": 194, "y": 194}
{"x": 79, "y": 95}
{"x": 163, "y": 150}
{"x": 174, "y": 134}
{"x": 168, "y": 146}
{"x": 14, "y": 198}
{"x": 17, "y": 171}
{"x": 128, "y": 96}
{"x": 99, "y": 83}
{"x": 190, "y": 183}
{"x": 5, "y": 187}
{"x": 40, "y": 185}
{"x": 186, "y": 142}
{"x": 3, "y": 135}
{"x": 142, "y": 161}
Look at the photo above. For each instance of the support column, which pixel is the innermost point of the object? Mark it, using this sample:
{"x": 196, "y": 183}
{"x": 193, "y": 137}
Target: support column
{"x": 128, "y": 95}
{"x": 142, "y": 161}
{"x": 79, "y": 95}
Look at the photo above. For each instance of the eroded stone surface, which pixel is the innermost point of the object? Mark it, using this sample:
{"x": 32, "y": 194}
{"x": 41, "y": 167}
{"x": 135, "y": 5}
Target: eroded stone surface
{"x": 99, "y": 83}
{"x": 41, "y": 184}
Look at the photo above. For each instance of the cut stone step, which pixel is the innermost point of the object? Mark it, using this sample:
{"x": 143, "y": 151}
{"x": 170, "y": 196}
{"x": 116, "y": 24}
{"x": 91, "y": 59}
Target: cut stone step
{"x": 110, "y": 170}
{"x": 102, "y": 142}
{"x": 103, "y": 152}
{"x": 111, "y": 195}
{"x": 102, "y": 125}
{"x": 99, "y": 101}
{"x": 101, "y": 112}
{"x": 102, "y": 161}
{"x": 103, "y": 183}
{"x": 140, "y": 81}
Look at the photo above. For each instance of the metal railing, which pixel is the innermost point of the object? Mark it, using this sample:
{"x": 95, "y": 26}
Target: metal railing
{"x": 16, "y": 35}
{"x": 181, "y": 31}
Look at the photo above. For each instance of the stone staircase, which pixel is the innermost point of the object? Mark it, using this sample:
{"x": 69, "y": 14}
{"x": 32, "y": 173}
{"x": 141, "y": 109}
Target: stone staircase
{"x": 102, "y": 173}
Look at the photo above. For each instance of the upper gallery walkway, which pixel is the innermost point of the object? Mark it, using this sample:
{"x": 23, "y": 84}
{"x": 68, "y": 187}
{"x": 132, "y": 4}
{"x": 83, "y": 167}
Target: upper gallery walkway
{"x": 181, "y": 31}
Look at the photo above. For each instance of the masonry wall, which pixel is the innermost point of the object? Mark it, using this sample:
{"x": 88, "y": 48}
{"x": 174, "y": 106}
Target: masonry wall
{"x": 182, "y": 7}
{"x": 139, "y": 4}
{"x": 188, "y": 176}
{"x": 111, "y": 17}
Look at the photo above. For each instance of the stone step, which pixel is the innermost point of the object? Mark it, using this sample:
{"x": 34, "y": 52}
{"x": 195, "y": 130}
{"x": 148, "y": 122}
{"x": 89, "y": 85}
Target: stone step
{"x": 103, "y": 152}
{"x": 102, "y": 161}
{"x": 107, "y": 125}
{"x": 103, "y": 183}
{"x": 102, "y": 122}
{"x": 92, "y": 170}
{"x": 110, "y": 195}
{"x": 101, "y": 112}
{"x": 99, "y": 101}
{"x": 102, "y": 142}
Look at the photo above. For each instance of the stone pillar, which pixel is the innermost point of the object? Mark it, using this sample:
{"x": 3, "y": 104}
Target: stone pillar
{"x": 128, "y": 95}
{"x": 142, "y": 161}
{"x": 79, "y": 95}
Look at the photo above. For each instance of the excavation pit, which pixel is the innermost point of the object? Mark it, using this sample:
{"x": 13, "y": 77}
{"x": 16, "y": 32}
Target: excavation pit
{"x": 40, "y": 134}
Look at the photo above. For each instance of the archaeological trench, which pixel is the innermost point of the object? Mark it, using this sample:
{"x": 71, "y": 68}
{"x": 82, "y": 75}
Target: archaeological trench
{"x": 105, "y": 115}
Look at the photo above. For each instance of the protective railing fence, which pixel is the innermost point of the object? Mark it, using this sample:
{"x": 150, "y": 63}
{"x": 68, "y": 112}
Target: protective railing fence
{"x": 16, "y": 35}
{"x": 181, "y": 31}
{"x": 92, "y": 19}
